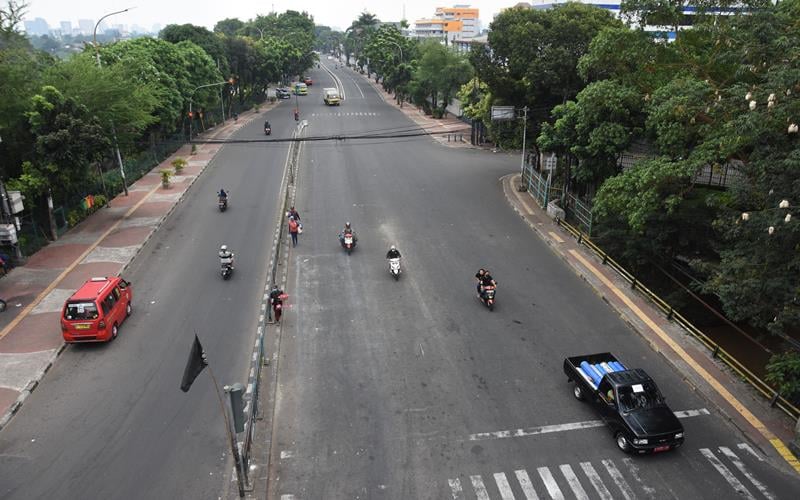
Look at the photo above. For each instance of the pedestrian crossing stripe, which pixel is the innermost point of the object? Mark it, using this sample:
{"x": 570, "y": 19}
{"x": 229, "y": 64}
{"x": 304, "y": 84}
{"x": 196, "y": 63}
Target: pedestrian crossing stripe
{"x": 723, "y": 460}
{"x": 339, "y": 115}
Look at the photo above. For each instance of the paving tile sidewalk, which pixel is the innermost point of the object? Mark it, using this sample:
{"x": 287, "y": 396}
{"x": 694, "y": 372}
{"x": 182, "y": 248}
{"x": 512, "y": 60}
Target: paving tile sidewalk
{"x": 102, "y": 245}
{"x": 741, "y": 406}
{"x": 448, "y": 131}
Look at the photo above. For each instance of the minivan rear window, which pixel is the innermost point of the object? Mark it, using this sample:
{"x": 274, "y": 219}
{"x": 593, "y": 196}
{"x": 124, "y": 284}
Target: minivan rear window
{"x": 80, "y": 311}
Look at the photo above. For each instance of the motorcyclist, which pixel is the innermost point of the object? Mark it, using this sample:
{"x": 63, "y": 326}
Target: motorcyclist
{"x": 485, "y": 280}
{"x": 267, "y": 126}
{"x": 225, "y": 256}
{"x": 275, "y": 295}
{"x": 223, "y": 195}
{"x": 393, "y": 253}
{"x": 347, "y": 230}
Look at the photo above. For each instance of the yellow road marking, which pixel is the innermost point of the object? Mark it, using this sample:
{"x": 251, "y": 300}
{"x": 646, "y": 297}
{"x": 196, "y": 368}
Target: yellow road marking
{"x": 72, "y": 266}
{"x": 555, "y": 237}
{"x": 730, "y": 398}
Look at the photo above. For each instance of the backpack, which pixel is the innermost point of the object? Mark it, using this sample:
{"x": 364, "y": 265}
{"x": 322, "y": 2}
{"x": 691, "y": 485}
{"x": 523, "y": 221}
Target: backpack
{"x": 292, "y": 225}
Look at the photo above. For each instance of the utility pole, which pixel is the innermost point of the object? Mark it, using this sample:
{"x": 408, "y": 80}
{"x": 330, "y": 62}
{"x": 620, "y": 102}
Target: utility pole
{"x": 113, "y": 129}
{"x": 524, "y": 133}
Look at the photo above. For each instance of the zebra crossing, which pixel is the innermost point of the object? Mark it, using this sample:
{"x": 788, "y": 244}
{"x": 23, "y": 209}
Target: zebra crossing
{"x": 346, "y": 114}
{"x": 607, "y": 479}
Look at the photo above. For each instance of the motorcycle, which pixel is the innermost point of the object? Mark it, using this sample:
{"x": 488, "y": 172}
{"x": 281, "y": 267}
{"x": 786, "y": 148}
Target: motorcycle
{"x": 226, "y": 271}
{"x": 267, "y": 130}
{"x": 223, "y": 204}
{"x": 277, "y": 307}
{"x": 487, "y": 296}
{"x": 348, "y": 242}
{"x": 394, "y": 268}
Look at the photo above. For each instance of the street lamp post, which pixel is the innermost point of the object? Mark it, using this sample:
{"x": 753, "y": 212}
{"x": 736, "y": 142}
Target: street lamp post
{"x": 113, "y": 129}
{"x": 191, "y": 117}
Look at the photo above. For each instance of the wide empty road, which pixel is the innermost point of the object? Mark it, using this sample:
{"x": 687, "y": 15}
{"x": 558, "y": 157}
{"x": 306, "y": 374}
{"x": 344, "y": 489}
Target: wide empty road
{"x": 109, "y": 421}
{"x": 404, "y": 389}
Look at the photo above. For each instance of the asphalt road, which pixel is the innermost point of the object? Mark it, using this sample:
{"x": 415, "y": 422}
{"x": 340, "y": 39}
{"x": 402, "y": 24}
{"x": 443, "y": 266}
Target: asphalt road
{"x": 109, "y": 421}
{"x": 383, "y": 385}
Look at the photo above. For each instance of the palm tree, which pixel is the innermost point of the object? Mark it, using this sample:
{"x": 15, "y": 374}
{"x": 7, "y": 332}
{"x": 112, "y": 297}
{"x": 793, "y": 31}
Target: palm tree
{"x": 358, "y": 32}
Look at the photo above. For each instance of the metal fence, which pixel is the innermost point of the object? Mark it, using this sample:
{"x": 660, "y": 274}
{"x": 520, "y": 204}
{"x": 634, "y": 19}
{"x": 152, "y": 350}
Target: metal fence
{"x": 539, "y": 185}
{"x": 774, "y": 397}
{"x": 579, "y": 212}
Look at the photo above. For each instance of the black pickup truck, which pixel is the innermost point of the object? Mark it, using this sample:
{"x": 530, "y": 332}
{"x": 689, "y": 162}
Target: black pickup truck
{"x": 628, "y": 401}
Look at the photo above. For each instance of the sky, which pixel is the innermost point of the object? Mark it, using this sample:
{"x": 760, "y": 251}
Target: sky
{"x": 334, "y": 13}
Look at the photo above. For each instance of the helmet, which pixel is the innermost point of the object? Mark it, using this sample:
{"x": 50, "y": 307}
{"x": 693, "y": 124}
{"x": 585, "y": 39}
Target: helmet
{"x": 223, "y": 248}
{"x": 347, "y": 225}
{"x": 392, "y": 248}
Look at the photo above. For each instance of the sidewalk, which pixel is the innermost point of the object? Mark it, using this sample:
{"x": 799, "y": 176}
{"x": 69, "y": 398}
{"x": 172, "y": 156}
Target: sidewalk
{"x": 766, "y": 427}
{"x": 104, "y": 244}
{"x": 448, "y": 131}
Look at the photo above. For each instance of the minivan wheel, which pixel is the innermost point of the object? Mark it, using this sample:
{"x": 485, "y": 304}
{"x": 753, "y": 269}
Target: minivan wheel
{"x": 577, "y": 392}
{"x": 622, "y": 442}
{"x": 128, "y": 309}
{"x": 114, "y": 331}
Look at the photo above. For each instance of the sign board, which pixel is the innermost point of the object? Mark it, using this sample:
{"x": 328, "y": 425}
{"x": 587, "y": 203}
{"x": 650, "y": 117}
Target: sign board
{"x": 503, "y": 113}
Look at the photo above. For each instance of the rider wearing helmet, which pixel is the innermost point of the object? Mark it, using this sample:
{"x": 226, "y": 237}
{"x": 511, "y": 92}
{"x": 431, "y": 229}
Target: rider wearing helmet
{"x": 348, "y": 230}
{"x": 393, "y": 253}
{"x": 225, "y": 256}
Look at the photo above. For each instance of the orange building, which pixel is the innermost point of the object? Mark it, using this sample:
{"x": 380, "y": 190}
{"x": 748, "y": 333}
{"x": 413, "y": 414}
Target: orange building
{"x": 453, "y": 23}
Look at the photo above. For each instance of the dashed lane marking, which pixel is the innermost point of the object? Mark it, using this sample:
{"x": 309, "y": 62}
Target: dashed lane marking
{"x": 573, "y": 426}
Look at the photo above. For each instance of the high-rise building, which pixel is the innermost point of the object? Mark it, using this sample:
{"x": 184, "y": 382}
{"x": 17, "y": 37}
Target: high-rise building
{"x": 66, "y": 28}
{"x": 85, "y": 26}
{"x": 451, "y": 23}
{"x": 37, "y": 27}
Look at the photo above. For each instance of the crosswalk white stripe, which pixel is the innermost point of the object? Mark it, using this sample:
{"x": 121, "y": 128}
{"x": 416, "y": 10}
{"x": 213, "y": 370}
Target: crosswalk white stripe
{"x": 594, "y": 478}
{"x": 573, "y": 481}
{"x": 479, "y": 487}
{"x": 747, "y": 447}
{"x": 740, "y": 465}
{"x": 649, "y": 491}
{"x": 527, "y": 487}
{"x": 726, "y": 473}
{"x": 502, "y": 485}
{"x": 616, "y": 475}
{"x": 550, "y": 483}
{"x": 455, "y": 488}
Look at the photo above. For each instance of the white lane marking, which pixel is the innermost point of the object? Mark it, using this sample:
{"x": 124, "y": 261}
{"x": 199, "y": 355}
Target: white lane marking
{"x": 740, "y": 465}
{"x": 727, "y": 474}
{"x": 748, "y": 448}
{"x": 616, "y": 475}
{"x": 594, "y": 478}
{"x": 550, "y": 483}
{"x": 573, "y": 426}
{"x": 649, "y": 491}
{"x": 455, "y": 488}
{"x": 502, "y": 485}
{"x": 286, "y": 454}
{"x": 287, "y": 497}
{"x": 692, "y": 413}
{"x": 525, "y": 483}
{"x": 573, "y": 482}
{"x": 479, "y": 487}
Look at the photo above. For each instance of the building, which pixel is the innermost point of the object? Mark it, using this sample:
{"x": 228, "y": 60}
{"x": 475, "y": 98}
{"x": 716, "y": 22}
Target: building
{"x": 85, "y": 26}
{"x": 450, "y": 24}
{"x": 66, "y": 28}
{"x": 37, "y": 27}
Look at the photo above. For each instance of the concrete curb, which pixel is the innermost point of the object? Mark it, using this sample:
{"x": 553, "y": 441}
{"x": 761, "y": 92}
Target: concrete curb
{"x": 34, "y": 382}
{"x": 507, "y": 183}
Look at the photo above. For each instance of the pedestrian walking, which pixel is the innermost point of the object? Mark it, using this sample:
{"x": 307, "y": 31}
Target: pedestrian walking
{"x": 293, "y": 213}
{"x": 294, "y": 227}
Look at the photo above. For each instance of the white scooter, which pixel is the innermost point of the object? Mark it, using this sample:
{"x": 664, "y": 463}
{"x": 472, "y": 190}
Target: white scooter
{"x": 394, "y": 268}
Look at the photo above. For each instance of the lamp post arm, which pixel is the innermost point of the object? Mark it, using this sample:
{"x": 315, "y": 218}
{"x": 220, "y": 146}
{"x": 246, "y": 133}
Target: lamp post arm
{"x": 94, "y": 33}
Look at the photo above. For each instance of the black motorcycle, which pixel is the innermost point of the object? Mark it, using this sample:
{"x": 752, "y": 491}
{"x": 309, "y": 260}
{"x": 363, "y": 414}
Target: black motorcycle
{"x": 226, "y": 271}
{"x": 267, "y": 130}
{"x": 223, "y": 204}
{"x": 487, "y": 296}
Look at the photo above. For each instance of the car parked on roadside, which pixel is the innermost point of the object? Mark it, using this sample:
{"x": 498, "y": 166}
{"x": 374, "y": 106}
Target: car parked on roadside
{"x": 94, "y": 312}
{"x": 283, "y": 93}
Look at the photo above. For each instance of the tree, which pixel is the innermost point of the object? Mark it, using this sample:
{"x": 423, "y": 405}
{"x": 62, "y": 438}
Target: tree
{"x": 439, "y": 74}
{"x": 208, "y": 41}
{"x": 595, "y": 128}
{"x": 10, "y": 19}
{"x": 229, "y": 27}
{"x": 357, "y": 35}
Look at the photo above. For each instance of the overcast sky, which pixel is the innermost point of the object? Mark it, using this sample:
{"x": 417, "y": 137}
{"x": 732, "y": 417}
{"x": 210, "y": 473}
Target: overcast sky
{"x": 336, "y": 13}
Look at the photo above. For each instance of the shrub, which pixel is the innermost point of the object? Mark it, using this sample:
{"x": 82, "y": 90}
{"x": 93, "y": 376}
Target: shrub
{"x": 178, "y": 164}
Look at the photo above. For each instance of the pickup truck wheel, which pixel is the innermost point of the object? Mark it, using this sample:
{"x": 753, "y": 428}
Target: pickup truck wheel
{"x": 622, "y": 442}
{"x": 578, "y": 392}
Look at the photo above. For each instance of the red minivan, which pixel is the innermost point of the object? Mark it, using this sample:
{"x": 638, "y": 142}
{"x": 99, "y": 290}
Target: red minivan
{"x": 95, "y": 311}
